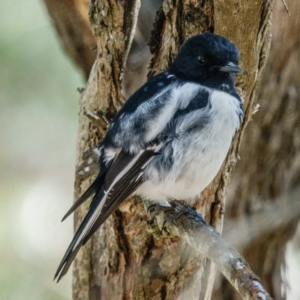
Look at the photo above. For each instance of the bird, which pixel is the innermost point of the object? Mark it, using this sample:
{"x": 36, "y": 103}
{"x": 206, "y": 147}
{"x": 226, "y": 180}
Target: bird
{"x": 170, "y": 138}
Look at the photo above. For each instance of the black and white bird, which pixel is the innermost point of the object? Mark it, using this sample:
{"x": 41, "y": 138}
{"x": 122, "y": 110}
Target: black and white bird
{"x": 170, "y": 138}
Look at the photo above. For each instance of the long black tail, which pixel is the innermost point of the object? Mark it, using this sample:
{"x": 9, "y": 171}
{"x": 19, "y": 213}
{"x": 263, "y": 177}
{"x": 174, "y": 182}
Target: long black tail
{"x": 120, "y": 181}
{"x": 77, "y": 241}
{"x": 93, "y": 189}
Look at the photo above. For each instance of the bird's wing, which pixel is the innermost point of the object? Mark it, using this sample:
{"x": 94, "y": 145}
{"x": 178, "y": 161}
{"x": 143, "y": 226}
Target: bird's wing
{"x": 122, "y": 179}
{"x": 127, "y": 131}
{"x": 147, "y": 112}
{"x": 143, "y": 117}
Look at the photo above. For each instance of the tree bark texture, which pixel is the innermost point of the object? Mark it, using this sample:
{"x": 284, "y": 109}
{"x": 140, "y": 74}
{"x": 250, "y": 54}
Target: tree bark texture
{"x": 270, "y": 158}
{"x": 123, "y": 260}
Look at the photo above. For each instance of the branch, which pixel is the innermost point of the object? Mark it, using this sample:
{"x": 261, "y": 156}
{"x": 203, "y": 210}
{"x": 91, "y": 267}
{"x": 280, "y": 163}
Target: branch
{"x": 179, "y": 220}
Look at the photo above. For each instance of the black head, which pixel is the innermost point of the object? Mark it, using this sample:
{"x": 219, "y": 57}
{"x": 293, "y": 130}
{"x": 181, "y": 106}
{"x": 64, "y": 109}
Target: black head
{"x": 208, "y": 59}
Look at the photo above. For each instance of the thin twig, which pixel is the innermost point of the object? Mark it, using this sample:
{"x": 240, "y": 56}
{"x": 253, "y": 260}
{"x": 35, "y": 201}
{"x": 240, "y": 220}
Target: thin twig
{"x": 286, "y": 7}
{"x": 131, "y": 23}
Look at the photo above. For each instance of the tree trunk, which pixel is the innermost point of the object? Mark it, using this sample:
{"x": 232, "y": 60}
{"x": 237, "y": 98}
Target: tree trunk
{"x": 269, "y": 168}
{"x": 123, "y": 260}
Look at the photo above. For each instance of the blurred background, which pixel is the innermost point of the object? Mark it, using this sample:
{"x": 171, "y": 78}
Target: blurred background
{"x": 38, "y": 121}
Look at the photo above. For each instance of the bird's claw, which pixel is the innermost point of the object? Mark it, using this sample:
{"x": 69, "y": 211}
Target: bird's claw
{"x": 170, "y": 214}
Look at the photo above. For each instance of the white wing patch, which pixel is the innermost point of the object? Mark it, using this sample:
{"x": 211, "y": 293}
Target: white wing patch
{"x": 179, "y": 98}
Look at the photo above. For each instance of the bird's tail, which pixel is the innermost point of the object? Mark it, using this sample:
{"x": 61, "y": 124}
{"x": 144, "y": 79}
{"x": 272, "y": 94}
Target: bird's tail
{"x": 108, "y": 196}
{"x": 80, "y": 236}
{"x": 93, "y": 189}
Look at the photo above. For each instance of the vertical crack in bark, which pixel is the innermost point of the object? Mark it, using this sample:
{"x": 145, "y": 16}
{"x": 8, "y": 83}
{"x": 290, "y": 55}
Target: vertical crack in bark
{"x": 125, "y": 249}
{"x": 155, "y": 41}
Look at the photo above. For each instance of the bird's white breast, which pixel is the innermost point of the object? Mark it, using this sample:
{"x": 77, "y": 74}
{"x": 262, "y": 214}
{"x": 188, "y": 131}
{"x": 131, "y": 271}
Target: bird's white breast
{"x": 197, "y": 156}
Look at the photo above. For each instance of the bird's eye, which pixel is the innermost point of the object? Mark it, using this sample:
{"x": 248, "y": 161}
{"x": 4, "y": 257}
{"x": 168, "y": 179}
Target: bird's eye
{"x": 201, "y": 60}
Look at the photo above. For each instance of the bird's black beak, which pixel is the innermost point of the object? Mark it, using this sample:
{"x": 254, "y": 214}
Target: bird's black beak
{"x": 231, "y": 68}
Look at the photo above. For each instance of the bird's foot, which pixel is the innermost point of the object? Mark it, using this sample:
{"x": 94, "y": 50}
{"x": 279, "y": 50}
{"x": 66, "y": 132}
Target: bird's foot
{"x": 165, "y": 217}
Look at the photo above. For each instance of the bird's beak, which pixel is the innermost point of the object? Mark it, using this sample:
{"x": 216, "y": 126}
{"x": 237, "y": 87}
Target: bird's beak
{"x": 231, "y": 68}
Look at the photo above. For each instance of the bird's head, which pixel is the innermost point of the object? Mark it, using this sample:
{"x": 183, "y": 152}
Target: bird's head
{"x": 208, "y": 59}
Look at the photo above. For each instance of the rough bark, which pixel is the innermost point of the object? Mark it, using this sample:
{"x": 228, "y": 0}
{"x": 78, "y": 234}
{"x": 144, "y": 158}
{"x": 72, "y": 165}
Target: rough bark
{"x": 123, "y": 259}
{"x": 270, "y": 163}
